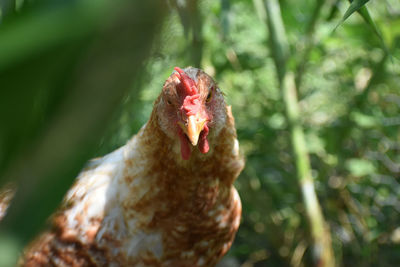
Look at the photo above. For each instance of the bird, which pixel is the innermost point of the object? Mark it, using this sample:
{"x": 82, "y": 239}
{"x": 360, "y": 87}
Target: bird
{"x": 165, "y": 198}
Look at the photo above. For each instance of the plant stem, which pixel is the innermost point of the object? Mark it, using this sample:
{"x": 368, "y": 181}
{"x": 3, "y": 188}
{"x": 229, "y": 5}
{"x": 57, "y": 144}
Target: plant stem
{"x": 322, "y": 248}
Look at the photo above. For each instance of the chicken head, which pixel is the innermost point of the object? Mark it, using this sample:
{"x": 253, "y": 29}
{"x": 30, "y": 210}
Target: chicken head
{"x": 191, "y": 110}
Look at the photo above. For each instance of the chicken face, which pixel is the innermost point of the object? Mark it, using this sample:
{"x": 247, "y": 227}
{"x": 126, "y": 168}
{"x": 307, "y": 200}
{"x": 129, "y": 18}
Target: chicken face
{"x": 191, "y": 110}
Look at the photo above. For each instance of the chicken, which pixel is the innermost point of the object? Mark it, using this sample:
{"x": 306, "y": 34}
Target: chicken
{"x": 166, "y": 198}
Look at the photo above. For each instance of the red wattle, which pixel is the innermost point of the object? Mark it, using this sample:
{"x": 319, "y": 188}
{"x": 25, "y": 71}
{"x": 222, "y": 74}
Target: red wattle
{"x": 185, "y": 148}
{"x": 203, "y": 142}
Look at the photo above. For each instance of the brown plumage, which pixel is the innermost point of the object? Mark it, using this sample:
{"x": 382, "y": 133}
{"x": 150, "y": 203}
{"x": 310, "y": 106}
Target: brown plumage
{"x": 166, "y": 198}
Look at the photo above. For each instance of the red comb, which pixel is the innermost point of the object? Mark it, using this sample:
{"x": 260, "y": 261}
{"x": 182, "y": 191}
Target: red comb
{"x": 187, "y": 89}
{"x": 188, "y": 85}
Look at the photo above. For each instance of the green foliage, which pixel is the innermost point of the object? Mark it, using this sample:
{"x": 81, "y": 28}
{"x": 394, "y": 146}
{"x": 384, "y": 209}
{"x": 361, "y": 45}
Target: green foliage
{"x": 349, "y": 101}
{"x": 355, "y": 5}
{"x": 359, "y": 6}
{"x": 360, "y": 167}
{"x": 61, "y": 81}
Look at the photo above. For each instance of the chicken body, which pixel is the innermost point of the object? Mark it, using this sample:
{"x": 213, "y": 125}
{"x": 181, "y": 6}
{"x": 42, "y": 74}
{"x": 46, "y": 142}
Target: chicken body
{"x": 153, "y": 202}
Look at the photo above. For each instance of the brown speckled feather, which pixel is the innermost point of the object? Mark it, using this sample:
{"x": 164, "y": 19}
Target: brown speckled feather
{"x": 143, "y": 205}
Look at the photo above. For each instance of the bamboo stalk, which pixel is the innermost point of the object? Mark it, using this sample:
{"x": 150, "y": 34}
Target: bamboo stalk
{"x": 322, "y": 248}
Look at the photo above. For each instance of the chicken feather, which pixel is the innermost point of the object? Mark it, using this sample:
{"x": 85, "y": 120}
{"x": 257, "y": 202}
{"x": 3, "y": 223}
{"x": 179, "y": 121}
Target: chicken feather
{"x": 145, "y": 204}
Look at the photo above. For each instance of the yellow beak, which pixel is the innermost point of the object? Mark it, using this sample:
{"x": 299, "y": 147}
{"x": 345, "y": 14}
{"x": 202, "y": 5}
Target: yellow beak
{"x": 193, "y": 128}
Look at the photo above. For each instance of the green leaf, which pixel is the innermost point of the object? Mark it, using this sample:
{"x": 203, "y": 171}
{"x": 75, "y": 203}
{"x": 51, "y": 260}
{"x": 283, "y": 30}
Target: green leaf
{"x": 363, "y": 11}
{"x": 7, "y": 7}
{"x": 363, "y": 120}
{"x": 94, "y": 67}
{"x": 360, "y": 167}
{"x": 225, "y": 17}
{"x": 359, "y": 6}
{"x": 354, "y": 6}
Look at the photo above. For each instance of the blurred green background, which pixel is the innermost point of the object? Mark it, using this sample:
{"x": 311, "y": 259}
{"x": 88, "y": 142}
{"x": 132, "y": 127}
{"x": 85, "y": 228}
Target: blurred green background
{"x": 78, "y": 78}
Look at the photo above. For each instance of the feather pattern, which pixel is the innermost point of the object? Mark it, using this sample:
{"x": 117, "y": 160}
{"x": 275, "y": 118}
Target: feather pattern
{"x": 143, "y": 205}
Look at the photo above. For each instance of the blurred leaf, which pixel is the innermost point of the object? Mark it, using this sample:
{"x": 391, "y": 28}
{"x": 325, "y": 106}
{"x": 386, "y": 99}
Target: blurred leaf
{"x": 334, "y": 9}
{"x": 363, "y": 120}
{"x": 225, "y": 17}
{"x": 367, "y": 18}
{"x": 360, "y": 167}
{"x": 182, "y": 6}
{"x": 106, "y": 56}
{"x": 315, "y": 144}
{"x": 277, "y": 121}
{"x": 41, "y": 29}
{"x": 191, "y": 19}
{"x": 7, "y": 7}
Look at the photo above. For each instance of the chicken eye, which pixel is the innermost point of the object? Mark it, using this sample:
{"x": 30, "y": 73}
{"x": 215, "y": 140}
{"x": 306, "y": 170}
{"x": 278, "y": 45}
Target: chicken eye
{"x": 169, "y": 102}
{"x": 209, "y": 96}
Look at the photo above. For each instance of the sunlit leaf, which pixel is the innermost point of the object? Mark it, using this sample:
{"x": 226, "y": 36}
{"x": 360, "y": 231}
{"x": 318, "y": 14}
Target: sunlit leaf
{"x": 360, "y": 167}
{"x": 367, "y": 18}
{"x": 354, "y": 6}
{"x": 363, "y": 120}
{"x": 359, "y": 6}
